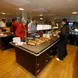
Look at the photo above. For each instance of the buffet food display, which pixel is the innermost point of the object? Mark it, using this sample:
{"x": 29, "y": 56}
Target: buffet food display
{"x": 4, "y": 34}
{"x": 39, "y": 45}
{"x": 46, "y": 37}
{"x": 37, "y": 54}
{"x": 38, "y": 41}
{"x": 37, "y": 38}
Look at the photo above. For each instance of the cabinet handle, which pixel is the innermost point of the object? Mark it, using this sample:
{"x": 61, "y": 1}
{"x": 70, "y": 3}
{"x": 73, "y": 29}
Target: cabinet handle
{"x": 50, "y": 56}
{"x": 46, "y": 60}
{"x": 56, "y": 50}
{"x": 56, "y": 45}
{"x": 47, "y": 54}
{"x": 51, "y": 51}
{"x": 38, "y": 71}
{"x": 38, "y": 64}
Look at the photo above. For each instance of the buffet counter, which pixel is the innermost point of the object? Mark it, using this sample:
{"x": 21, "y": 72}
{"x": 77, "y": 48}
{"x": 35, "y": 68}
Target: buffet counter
{"x": 35, "y": 58}
{"x": 5, "y": 38}
{"x": 73, "y": 37}
{"x": 39, "y": 49}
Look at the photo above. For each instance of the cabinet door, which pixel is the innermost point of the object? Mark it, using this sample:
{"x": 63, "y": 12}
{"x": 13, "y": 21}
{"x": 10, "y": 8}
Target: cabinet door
{"x": 44, "y": 58}
{"x": 72, "y": 39}
{"x": 42, "y": 61}
{"x": 53, "y": 50}
{"x": 5, "y": 42}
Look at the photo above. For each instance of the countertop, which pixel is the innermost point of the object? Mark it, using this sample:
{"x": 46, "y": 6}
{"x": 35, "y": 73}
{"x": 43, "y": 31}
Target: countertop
{"x": 6, "y": 34}
{"x": 38, "y": 49}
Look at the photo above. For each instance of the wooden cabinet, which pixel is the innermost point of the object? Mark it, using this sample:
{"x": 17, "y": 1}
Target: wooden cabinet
{"x": 53, "y": 50}
{"x": 34, "y": 64}
{"x": 73, "y": 39}
{"x": 4, "y": 42}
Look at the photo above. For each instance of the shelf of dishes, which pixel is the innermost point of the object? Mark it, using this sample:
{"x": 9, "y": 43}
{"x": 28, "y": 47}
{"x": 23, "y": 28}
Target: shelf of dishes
{"x": 45, "y": 27}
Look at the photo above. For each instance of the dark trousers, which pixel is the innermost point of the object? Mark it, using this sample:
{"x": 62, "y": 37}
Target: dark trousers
{"x": 62, "y": 50}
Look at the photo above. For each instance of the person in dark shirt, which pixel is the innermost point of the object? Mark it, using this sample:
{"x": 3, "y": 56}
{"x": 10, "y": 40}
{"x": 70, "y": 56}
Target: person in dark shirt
{"x": 64, "y": 32}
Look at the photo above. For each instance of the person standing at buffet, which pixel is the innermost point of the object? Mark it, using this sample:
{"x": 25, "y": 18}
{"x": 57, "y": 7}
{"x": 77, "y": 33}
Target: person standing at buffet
{"x": 14, "y": 26}
{"x": 21, "y": 30}
{"x": 3, "y": 25}
{"x": 64, "y": 32}
{"x": 18, "y": 29}
{"x": 32, "y": 26}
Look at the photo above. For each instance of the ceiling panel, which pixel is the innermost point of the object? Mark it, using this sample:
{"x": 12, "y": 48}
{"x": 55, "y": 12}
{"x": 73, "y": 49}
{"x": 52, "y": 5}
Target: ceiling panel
{"x": 17, "y": 2}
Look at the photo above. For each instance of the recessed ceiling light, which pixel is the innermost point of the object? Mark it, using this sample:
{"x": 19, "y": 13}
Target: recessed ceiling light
{"x": 74, "y": 12}
{"x": 3, "y": 13}
{"x": 41, "y": 18}
{"x": 21, "y": 9}
{"x": 41, "y": 15}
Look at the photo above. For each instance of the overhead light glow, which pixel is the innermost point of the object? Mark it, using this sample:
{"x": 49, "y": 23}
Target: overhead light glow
{"x": 3, "y": 13}
{"x": 41, "y": 15}
{"x": 21, "y": 9}
{"x": 74, "y": 12}
{"x": 41, "y": 18}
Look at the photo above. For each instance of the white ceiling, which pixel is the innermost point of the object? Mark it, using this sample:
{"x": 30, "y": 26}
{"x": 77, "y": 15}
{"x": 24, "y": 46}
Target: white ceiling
{"x": 47, "y": 7}
{"x": 17, "y": 2}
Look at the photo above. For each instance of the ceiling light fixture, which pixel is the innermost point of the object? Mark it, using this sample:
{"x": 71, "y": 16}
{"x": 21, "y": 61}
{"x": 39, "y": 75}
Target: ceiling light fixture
{"x": 74, "y": 12}
{"x": 41, "y": 18}
{"x": 3, "y": 13}
{"x": 21, "y": 9}
{"x": 41, "y": 15}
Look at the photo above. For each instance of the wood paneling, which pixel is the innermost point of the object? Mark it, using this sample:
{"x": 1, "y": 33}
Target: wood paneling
{"x": 55, "y": 69}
